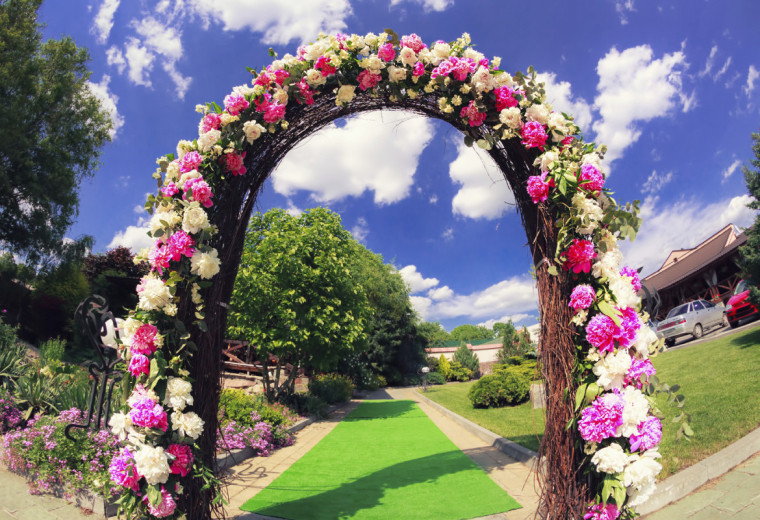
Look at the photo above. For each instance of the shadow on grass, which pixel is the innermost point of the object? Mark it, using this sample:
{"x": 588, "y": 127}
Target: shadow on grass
{"x": 750, "y": 339}
{"x": 367, "y": 492}
{"x": 381, "y": 410}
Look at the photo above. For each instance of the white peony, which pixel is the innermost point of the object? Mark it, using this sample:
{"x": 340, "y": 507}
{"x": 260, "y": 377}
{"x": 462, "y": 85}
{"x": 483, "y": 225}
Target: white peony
{"x": 252, "y": 131}
{"x": 183, "y": 147}
{"x": 373, "y": 64}
{"x": 121, "y": 425}
{"x": 482, "y": 80}
{"x": 547, "y": 160}
{"x": 588, "y": 211}
{"x": 511, "y": 117}
{"x": 407, "y": 56}
{"x": 608, "y": 264}
{"x": 206, "y": 141}
{"x": 187, "y": 424}
{"x": 153, "y": 293}
{"x": 474, "y": 55}
{"x": 635, "y": 410}
{"x": 504, "y": 79}
{"x": 611, "y": 459}
{"x": 396, "y": 74}
{"x": 639, "y": 476}
{"x": 178, "y": 393}
{"x": 172, "y": 171}
{"x": 205, "y": 265}
{"x": 315, "y": 78}
{"x": 558, "y": 126}
{"x": 281, "y": 95}
{"x": 192, "y": 174}
{"x": 153, "y": 464}
{"x": 593, "y": 159}
{"x": 195, "y": 218}
{"x": 612, "y": 369}
{"x": 645, "y": 338}
{"x": 170, "y": 218}
{"x": 538, "y": 113}
{"x": 346, "y": 94}
{"x": 441, "y": 51}
{"x": 623, "y": 291}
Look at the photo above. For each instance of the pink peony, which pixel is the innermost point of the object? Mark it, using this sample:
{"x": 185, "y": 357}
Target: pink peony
{"x": 461, "y": 67}
{"x": 122, "y": 470}
{"x": 601, "y": 332}
{"x": 180, "y": 244}
{"x": 591, "y": 178}
{"x": 139, "y": 364}
{"x": 274, "y": 112}
{"x": 368, "y": 79}
{"x": 234, "y": 163}
{"x": 323, "y": 65}
{"x": 639, "y": 368}
{"x": 582, "y": 297}
{"x": 200, "y": 191}
{"x": 148, "y": 414}
{"x": 629, "y": 326}
{"x": 533, "y": 135}
{"x": 419, "y": 69}
{"x": 159, "y": 257}
{"x": 305, "y": 90}
{"x": 170, "y": 190}
{"x": 567, "y": 140}
{"x": 648, "y": 435}
{"x": 235, "y": 103}
{"x": 633, "y": 274}
{"x": 165, "y": 508}
{"x": 210, "y": 121}
{"x": 412, "y": 41}
{"x": 473, "y": 116}
{"x": 579, "y": 256}
{"x": 602, "y": 512}
{"x": 280, "y": 75}
{"x": 190, "y": 161}
{"x": 538, "y": 187}
{"x": 386, "y": 52}
{"x": 144, "y": 340}
{"x": 505, "y": 97}
{"x": 602, "y": 419}
{"x": 183, "y": 459}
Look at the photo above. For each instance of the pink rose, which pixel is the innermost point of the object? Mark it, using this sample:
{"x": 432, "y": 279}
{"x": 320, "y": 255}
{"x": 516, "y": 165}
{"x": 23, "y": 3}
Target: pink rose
{"x": 368, "y": 79}
{"x": 534, "y": 135}
{"x": 538, "y": 187}
{"x": 579, "y": 256}
{"x": 235, "y": 103}
{"x": 234, "y": 163}
{"x": 473, "y": 116}
{"x": 412, "y": 41}
{"x": 386, "y": 52}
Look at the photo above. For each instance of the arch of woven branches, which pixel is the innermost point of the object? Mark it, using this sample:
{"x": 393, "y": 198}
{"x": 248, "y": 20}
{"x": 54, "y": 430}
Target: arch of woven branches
{"x": 598, "y": 455}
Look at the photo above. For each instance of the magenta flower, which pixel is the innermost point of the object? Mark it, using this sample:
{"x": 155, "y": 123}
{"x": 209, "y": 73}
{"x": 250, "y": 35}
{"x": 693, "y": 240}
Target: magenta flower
{"x": 386, "y": 52}
{"x": 200, "y": 191}
{"x": 274, "y": 112}
{"x": 179, "y": 244}
{"x": 629, "y": 326}
{"x": 210, "y": 121}
{"x": 165, "y": 508}
{"x": 582, "y": 297}
{"x": 602, "y": 419}
{"x": 633, "y": 274}
{"x": 144, "y": 340}
{"x": 590, "y": 178}
{"x": 602, "y": 512}
{"x": 148, "y": 414}
{"x": 139, "y": 364}
{"x": 419, "y": 69}
{"x": 122, "y": 470}
{"x": 601, "y": 332}
{"x": 473, "y": 116}
{"x": 412, "y": 41}
{"x": 235, "y": 103}
{"x": 538, "y": 187}
{"x": 170, "y": 190}
{"x": 234, "y": 163}
{"x": 462, "y": 67}
{"x": 648, "y": 435}
{"x": 159, "y": 257}
{"x": 306, "y": 92}
{"x": 280, "y": 75}
{"x": 533, "y": 135}
{"x": 639, "y": 368}
{"x": 368, "y": 79}
{"x": 183, "y": 459}
{"x": 505, "y": 97}
{"x": 323, "y": 65}
{"x": 579, "y": 256}
{"x": 190, "y": 161}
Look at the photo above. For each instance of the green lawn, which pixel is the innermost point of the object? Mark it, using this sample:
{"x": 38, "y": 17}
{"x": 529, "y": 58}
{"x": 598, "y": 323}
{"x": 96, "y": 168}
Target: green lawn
{"x": 720, "y": 380}
{"x": 385, "y": 460}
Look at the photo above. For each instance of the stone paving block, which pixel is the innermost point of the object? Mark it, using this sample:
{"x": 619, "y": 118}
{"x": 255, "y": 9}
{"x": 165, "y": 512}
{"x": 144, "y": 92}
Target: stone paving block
{"x": 730, "y": 480}
{"x": 736, "y": 498}
{"x": 751, "y": 512}
{"x": 708, "y": 513}
{"x": 752, "y": 466}
{"x": 34, "y": 513}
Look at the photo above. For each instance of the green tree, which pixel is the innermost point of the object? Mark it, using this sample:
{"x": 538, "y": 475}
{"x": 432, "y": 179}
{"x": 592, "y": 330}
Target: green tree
{"x": 51, "y": 130}
{"x": 444, "y": 367}
{"x": 513, "y": 343}
{"x": 471, "y": 332}
{"x": 114, "y": 275}
{"x": 294, "y": 297}
{"x": 433, "y": 332}
{"x": 467, "y": 358}
{"x": 751, "y": 250}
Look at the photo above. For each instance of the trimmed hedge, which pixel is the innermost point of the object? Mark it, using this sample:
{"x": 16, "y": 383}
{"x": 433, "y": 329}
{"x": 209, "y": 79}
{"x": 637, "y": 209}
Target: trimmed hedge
{"x": 331, "y": 388}
{"x": 498, "y": 390}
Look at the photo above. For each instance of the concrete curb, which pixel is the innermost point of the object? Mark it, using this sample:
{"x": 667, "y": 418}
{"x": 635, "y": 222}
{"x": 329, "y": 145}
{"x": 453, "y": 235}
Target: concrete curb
{"x": 689, "y": 479}
{"x": 506, "y": 446}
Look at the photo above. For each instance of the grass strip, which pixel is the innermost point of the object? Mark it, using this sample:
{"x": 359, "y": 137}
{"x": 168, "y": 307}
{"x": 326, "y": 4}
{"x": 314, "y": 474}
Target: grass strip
{"x": 385, "y": 460}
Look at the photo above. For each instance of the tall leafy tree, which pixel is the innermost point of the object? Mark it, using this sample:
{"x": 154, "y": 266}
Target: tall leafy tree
{"x": 469, "y": 332}
{"x": 433, "y": 332}
{"x": 51, "y": 130}
{"x": 751, "y": 250}
{"x": 294, "y": 296}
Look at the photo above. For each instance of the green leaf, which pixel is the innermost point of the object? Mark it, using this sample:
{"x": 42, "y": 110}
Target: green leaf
{"x": 154, "y": 494}
{"x": 608, "y": 310}
{"x": 552, "y": 270}
{"x": 469, "y": 141}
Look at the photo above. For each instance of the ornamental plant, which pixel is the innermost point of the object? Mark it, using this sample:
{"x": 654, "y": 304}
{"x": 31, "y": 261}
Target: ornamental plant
{"x": 496, "y": 110}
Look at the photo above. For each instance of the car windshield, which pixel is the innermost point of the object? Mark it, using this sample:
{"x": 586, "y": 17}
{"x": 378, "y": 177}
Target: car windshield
{"x": 741, "y": 287}
{"x": 681, "y": 309}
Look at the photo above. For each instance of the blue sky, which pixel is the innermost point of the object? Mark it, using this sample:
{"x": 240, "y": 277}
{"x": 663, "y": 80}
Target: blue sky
{"x": 672, "y": 87}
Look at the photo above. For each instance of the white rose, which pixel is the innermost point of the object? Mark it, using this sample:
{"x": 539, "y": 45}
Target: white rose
{"x": 153, "y": 464}
{"x": 346, "y": 93}
{"x": 612, "y": 369}
{"x": 252, "y": 131}
{"x": 547, "y": 160}
{"x": 205, "y": 265}
{"x": 153, "y": 294}
{"x": 504, "y": 79}
{"x": 194, "y": 219}
{"x": 172, "y": 171}
{"x": 482, "y": 80}
{"x": 396, "y": 74}
{"x": 538, "y": 113}
{"x": 183, "y": 147}
{"x": 611, "y": 459}
{"x": 558, "y": 126}
{"x": 511, "y": 117}
{"x": 635, "y": 410}
{"x": 473, "y": 55}
{"x": 315, "y": 78}
{"x": 407, "y": 56}
{"x": 187, "y": 424}
{"x": 178, "y": 393}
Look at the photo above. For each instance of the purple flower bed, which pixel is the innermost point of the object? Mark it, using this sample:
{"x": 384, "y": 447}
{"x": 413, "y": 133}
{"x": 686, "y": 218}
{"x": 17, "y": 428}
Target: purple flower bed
{"x": 262, "y": 436}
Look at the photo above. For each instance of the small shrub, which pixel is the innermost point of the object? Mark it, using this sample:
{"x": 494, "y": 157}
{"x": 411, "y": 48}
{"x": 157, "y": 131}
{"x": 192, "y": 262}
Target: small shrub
{"x": 52, "y": 350}
{"x": 444, "y": 367}
{"x": 331, "y": 388}
{"x": 10, "y": 416}
{"x": 467, "y": 358}
{"x": 238, "y": 406}
{"x": 495, "y": 391}
{"x": 436, "y": 378}
{"x": 432, "y": 363}
{"x": 13, "y": 363}
{"x": 460, "y": 373}
{"x": 518, "y": 365}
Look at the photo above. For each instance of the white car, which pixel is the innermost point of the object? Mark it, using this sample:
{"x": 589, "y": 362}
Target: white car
{"x": 691, "y": 319}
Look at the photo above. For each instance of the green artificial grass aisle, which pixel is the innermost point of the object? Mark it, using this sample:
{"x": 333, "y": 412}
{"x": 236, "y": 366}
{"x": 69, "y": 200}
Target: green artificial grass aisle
{"x": 384, "y": 460}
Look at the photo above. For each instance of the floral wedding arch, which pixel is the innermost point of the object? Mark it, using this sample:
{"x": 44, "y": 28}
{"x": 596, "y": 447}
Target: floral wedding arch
{"x": 599, "y": 453}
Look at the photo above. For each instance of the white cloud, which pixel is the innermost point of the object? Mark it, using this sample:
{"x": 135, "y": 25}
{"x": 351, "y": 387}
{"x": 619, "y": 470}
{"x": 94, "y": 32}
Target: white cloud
{"x": 710, "y": 62}
{"x": 159, "y": 37}
{"x": 360, "y": 230}
{"x": 728, "y": 172}
{"x": 279, "y": 22}
{"x": 484, "y": 192}
{"x": 635, "y": 87}
{"x": 115, "y": 58}
{"x": 723, "y": 69}
{"x": 655, "y": 182}
{"x": 680, "y": 225}
{"x": 560, "y": 96}
{"x": 103, "y": 22}
{"x": 338, "y": 162}
{"x": 293, "y": 210}
{"x": 108, "y": 101}
{"x": 415, "y": 281}
{"x": 134, "y": 237}
{"x": 623, "y": 7}
{"x": 441, "y": 293}
{"x": 181, "y": 83}
{"x": 514, "y": 318}
{"x": 752, "y": 76}
{"x": 433, "y": 199}
{"x": 140, "y": 62}
{"x": 428, "y": 5}
{"x": 448, "y": 234}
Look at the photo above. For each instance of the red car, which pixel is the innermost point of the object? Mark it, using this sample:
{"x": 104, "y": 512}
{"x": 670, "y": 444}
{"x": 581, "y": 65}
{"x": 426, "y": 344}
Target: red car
{"x": 738, "y": 306}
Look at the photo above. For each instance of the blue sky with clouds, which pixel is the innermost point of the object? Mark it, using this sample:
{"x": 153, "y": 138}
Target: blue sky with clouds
{"x": 672, "y": 87}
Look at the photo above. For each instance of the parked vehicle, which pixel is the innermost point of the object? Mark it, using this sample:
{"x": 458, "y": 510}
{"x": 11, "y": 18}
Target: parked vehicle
{"x": 692, "y": 318}
{"x": 739, "y": 307}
